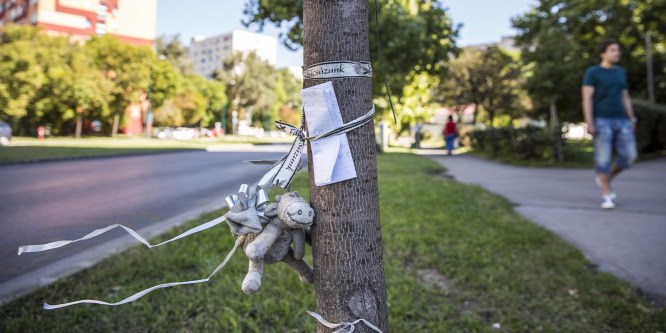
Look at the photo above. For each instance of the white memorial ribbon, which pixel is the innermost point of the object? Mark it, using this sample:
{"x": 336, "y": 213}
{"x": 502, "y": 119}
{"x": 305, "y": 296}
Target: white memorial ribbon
{"x": 142, "y": 293}
{"x": 284, "y": 170}
{"x": 345, "y": 327}
{"x": 57, "y": 244}
{"x": 337, "y": 69}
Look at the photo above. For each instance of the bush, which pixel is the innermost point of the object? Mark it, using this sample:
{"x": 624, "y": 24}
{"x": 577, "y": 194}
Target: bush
{"x": 527, "y": 143}
{"x": 651, "y": 126}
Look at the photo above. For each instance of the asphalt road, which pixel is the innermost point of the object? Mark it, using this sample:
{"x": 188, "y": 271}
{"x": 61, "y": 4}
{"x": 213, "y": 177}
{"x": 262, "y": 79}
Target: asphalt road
{"x": 45, "y": 202}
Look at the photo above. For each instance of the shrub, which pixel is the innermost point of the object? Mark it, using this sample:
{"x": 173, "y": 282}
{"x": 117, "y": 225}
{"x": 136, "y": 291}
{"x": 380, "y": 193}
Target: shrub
{"x": 651, "y": 126}
{"x": 527, "y": 143}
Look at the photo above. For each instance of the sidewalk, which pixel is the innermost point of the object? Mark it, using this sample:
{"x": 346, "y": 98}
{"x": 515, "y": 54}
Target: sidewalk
{"x": 629, "y": 241}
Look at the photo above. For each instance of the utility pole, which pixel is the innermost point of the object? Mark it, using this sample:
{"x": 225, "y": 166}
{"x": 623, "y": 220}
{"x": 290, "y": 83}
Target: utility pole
{"x": 346, "y": 234}
{"x": 650, "y": 74}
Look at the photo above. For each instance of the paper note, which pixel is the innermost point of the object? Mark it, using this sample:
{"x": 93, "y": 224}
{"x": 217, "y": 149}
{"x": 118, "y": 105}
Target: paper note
{"x": 331, "y": 156}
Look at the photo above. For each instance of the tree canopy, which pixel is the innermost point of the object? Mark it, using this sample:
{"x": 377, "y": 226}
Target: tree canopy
{"x": 417, "y": 36}
{"x": 559, "y": 41}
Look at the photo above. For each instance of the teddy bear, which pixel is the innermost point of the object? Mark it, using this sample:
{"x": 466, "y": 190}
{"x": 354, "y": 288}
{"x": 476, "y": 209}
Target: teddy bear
{"x": 289, "y": 218}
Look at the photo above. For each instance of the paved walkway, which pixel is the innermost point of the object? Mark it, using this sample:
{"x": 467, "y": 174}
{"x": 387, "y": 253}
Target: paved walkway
{"x": 629, "y": 241}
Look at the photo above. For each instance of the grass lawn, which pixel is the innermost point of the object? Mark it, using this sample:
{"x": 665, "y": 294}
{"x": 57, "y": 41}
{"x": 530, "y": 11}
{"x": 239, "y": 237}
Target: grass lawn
{"x": 25, "y": 148}
{"x": 457, "y": 259}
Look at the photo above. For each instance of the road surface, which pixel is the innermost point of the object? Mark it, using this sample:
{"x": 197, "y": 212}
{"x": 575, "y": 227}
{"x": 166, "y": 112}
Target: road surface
{"x": 45, "y": 202}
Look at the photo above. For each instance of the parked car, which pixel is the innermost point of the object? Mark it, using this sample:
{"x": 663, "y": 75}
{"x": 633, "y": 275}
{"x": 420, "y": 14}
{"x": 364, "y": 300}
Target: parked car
{"x": 5, "y": 134}
{"x": 184, "y": 133}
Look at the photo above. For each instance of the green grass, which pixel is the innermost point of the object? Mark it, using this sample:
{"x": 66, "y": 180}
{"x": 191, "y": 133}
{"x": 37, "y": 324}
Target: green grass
{"x": 500, "y": 268}
{"x": 25, "y": 148}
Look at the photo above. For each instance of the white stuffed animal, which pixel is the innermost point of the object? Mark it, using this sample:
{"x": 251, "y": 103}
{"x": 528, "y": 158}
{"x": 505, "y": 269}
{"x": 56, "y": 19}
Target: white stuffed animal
{"x": 289, "y": 217}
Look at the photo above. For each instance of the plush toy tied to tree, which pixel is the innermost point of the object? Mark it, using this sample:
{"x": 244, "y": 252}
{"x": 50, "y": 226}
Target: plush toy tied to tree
{"x": 288, "y": 221}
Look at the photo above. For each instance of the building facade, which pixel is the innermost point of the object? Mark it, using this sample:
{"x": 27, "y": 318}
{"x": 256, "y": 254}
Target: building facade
{"x": 131, "y": 20}
{"x": 207, "y": 54}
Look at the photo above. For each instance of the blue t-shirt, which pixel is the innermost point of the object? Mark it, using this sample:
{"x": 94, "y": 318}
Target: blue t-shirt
{"x": 608, "y": 86}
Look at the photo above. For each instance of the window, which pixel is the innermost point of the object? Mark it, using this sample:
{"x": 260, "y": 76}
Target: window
{"x": 100, "y": 28}
{"x": 2, "y": 7}
{"x": 88, "y": 23}
{"x": 101, "y": 12}
{"x": 33, "y": 2}
{"x": 1, "y": 23}
{"x": 33, "y": 18}
{"x": 87, "y": 3}
{"x": 114, "y": 26}
{"x": 115, "y": 12}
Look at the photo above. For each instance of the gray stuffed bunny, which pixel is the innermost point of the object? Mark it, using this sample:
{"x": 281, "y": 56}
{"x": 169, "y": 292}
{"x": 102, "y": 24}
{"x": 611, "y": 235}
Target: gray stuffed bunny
{"x": 289, "y": 217}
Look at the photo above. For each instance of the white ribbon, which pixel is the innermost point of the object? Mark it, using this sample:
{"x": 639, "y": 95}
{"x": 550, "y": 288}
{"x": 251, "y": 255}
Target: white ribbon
{"x": 284, "y": 170}
{"x": 142, "y": 293}
{"x": 337, "y": 69}
{"x": 345, "y": 327}
{"x": 57, "y": 244}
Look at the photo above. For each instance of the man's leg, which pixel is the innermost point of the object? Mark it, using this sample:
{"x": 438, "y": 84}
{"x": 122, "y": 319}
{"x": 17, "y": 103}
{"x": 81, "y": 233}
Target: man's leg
{"x": 625, "y": 144}
{"x": 603, "y": 150}
{"x": 615, "y": 170}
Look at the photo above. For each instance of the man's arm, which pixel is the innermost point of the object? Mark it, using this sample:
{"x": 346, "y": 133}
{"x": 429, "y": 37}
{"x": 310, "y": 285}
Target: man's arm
{"x": 588, "y": 93}
{"x": 629, "y": 108}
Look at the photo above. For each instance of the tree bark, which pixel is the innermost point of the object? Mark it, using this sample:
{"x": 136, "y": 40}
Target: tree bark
{"x": 79, "y": 126}
{"x": 346, "y": 235}
{"x": 554, "y": 130}
{"x": 116, "y": 121}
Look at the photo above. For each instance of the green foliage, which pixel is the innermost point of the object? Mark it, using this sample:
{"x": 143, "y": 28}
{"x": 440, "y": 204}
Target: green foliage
{"x": 498, "y": 267}
{"x": 528, "y": 143}
{"x": 46, "y": 81}
{"x": 287, "y": 106}
{"x": 489, "y": 79}
{"x": 23, "y": 53}
{"x": 560, "y": 38}
{"x": 417, "y": 36}
{"x": 175, "y": 52}
{"x": 249, "y": 82}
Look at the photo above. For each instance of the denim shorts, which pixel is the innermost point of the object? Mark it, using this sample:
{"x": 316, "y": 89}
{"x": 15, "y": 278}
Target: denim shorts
{"x": 613, "y": 134}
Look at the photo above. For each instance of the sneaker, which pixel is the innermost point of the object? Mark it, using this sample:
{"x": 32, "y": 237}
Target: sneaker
{"x": 612, "y": 193}
{"x": 607, "y": 202}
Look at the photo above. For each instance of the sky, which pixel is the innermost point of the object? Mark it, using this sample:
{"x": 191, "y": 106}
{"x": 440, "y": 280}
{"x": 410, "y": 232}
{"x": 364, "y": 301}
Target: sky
{"x": 484, "y": 21}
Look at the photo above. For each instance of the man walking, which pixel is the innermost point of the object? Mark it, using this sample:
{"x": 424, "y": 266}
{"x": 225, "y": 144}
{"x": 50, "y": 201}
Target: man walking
{"x": 610, "y": 118}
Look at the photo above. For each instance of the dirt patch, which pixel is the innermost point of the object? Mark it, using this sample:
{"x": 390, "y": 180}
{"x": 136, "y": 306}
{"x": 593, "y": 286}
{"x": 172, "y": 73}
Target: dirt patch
{"x": 431, "y": 278}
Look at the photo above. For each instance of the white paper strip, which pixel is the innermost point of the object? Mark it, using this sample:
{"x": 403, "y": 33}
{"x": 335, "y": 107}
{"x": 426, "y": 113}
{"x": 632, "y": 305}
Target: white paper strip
{"x": 57, "y": 244}
{"x": 142, "y": 293}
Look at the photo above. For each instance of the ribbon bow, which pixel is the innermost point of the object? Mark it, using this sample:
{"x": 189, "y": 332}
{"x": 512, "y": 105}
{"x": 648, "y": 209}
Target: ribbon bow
{"x": 246, "y": 210}
{"x": 283, "y": 170}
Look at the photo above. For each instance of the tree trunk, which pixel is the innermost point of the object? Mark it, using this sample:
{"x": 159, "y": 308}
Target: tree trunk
{"x": 346, "y": 235}
{"x": 79, "y": 125}
{"x": 554, "y": 130}
{"x": 116, "y": 121}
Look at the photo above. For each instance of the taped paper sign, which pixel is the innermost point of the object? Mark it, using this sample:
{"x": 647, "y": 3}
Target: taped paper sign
{"x": 331, "y": 156}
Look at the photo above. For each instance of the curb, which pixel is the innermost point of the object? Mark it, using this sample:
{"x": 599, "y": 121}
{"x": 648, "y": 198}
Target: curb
{"x": 97, "y": 156}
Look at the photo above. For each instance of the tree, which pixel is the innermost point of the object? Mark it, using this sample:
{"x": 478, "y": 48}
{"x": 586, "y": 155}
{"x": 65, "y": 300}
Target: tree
{"x": 130, "y": 69}
{"x": 417, "y": 36}
{"x": 23, "y": 51}
{"x": 559, "y": 40}
{"x": 249, "y": 83}
{"x": 287, "y": 106}
{"x": 346, "y": 234}
{"x": 175, "y": 52}
{"x": 488, "y": 79}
